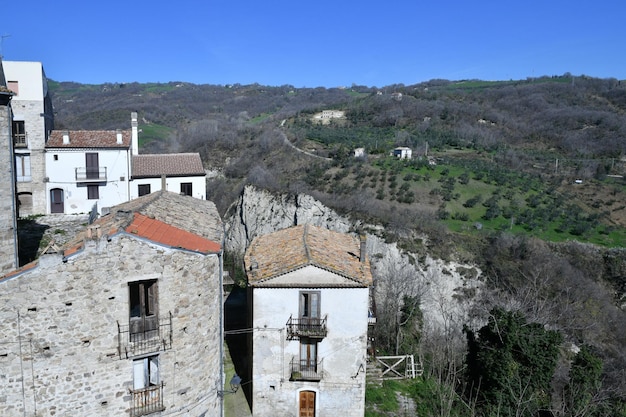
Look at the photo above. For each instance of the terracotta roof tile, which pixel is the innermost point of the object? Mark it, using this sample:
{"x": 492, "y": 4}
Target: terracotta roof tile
{"x": 284, "y": 251}
{"x": 163, "y": 217}
{"x": 174, "y": 164}
{"x": 163, "y": 233}
{"x": 89, "y": 139}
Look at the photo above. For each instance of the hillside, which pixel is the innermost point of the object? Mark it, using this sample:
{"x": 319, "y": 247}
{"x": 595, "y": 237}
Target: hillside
{"x": 544, "y": 157}
{"x": 516, "y": 178}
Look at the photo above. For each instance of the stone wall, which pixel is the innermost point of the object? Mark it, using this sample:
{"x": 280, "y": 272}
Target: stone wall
{"x": 31, "y": 112}
{"x": 59, "y": 331}
{"x": 8, "y": 237}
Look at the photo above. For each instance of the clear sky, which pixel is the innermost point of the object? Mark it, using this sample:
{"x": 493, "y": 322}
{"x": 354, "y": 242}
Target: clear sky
{"x": 315, "y": 43}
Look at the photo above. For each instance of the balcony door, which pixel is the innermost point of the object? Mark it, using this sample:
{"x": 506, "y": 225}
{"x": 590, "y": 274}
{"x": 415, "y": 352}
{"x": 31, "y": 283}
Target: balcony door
{"x": 92, "y": 166}
{"x": 144, "y": 321}
{"x": 306, "y": 404}
{"x": 308, "y": 356}
{"x": 309, "y": 308}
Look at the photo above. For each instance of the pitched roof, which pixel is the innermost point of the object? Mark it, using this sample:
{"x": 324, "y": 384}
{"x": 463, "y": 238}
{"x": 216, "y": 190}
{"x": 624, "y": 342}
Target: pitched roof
{"x": 290, "y": 249}
{"x": 163, "y": 217}
{"x": 89, "y": 139}
{"x": 174, "y": 164}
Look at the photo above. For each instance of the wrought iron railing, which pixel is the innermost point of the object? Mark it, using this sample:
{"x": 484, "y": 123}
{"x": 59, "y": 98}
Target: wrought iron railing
{"x": 146, "y": 339}
{"x": 306, "y": 327}
{"x": 306, "y": 369}
{"x": 147, "y": 400}
{"x": 85, "y": 174}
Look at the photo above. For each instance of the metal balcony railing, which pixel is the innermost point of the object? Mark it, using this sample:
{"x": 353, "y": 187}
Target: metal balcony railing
{"x": 314, "y": 328}
{"x": 147, "y": 400}
{"x": 87, "y": 174}
{"x": 140, "y": 340}
{"x": 306, "y": 369}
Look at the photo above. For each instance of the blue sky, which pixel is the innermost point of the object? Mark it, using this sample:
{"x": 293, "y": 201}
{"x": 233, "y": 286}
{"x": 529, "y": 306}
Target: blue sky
{"x": 315, "y": 44}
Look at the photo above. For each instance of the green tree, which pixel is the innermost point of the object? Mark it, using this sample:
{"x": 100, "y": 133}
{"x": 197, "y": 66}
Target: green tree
{"x": 510, "y": 364}
{"x": 580, "y": 394}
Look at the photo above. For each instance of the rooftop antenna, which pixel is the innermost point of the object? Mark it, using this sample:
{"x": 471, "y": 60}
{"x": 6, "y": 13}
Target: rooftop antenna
{"x": 2, "y": 43}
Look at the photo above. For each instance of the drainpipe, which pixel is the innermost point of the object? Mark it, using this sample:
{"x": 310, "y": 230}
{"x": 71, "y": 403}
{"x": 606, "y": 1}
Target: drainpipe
{"x": 16, "y": 259}
{"x": 221, "y": 291}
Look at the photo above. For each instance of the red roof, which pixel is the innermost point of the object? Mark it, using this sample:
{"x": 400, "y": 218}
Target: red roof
{"x": 89, "y": 139}
{"x": 160, "y": 232}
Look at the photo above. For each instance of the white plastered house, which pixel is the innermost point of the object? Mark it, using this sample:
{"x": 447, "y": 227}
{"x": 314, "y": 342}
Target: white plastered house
{"x": 308, "y": 296}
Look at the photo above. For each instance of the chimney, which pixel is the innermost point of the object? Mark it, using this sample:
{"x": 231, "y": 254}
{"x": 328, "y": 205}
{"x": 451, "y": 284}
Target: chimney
{"x": 134, "y": 133}
{"x": 363, "y": 248}
{"x": 163, "y": 182}
{"x": 66, "y": 137}
{"x": 118, "y": 135}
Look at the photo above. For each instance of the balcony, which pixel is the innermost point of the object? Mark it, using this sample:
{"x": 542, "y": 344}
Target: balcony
{"x": 147, "y": 400}
{"x": 91, "y": 174}
{"x": 19, "y": 140}
{"x": 314, "y": 328}
{"x": 152, "y": 336}
{"x": 306, "y": 370}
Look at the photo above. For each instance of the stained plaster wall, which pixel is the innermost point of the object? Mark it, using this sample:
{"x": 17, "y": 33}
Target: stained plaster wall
{"x": 59, "y": 335}
{"x": 341, "y": 390}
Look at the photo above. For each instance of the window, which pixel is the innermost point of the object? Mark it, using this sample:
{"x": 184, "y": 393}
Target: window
{"x": 14, "y": 86}
{"x": 147, "y": 388}
{"x": 19, "y": 134}
{"x": 144, "y": 321}
{"x": 185, "y": 188}
{"x": 22, "y": 167}
{"x": 144, "y": 189}
{"x": 309, "y": 307}
{"x": 93, "y": 192}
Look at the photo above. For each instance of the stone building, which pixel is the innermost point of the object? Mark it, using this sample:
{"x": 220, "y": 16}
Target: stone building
{"x": 125, "y": 319}
{"x": 8, "y": 215}
{"x": 32, "y": 121}
{"x": 309, "y": 299}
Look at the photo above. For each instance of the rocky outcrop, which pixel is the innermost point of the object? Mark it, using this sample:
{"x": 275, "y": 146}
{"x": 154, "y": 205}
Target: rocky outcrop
{"x": 446, "y": 289}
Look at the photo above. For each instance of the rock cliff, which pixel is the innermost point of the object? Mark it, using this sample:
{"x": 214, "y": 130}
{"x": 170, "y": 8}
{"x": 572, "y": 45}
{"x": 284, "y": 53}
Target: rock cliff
{"x": 446, "y": 289}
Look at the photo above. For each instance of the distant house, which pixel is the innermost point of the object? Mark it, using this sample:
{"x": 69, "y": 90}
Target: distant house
{"x": 309, "y": 297}
{"x": 86, "y": 168}
{"x": 359, "y": 152}
{"x": 32, "y": 120}
{"x": 103, "y": 168}
{"x": 180, "y": 172}
{"x": 123, "y": 320}
{"x": 327, "y": 115}
{"x": 402, "y": 153}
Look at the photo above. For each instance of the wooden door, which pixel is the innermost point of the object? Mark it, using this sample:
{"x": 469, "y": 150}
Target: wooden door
{"x": 56, "y": 201}
{"x": 307, "y": 404}
{"x": 92, "y": 166}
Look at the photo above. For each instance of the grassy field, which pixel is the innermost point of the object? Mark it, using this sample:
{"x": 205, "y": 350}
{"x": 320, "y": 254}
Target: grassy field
{"x": 475, "y": 196}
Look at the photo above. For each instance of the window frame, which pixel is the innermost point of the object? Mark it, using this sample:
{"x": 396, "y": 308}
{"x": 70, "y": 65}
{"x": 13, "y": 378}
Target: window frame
{"x": 141, "y": 189}
{"x": 93, "y": 192}
{"x": 186, "y": 188}
{"x": 143, "y": 309}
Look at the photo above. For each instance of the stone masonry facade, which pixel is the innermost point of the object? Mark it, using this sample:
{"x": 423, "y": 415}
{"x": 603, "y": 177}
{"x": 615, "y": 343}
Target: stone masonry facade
{"x": 35, "y": 124}
{"x": 8, "y": 236}
{"x": 59, "y": 342}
